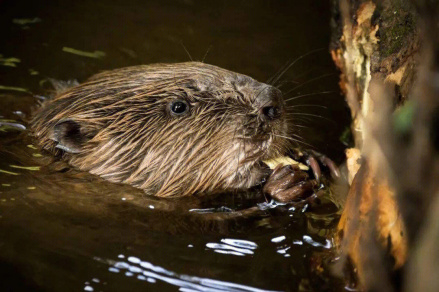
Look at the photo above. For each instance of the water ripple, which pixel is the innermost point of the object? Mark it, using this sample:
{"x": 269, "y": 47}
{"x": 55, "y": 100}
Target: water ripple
{"x": 145, "y": 271}
{"x": 232, "y": 246}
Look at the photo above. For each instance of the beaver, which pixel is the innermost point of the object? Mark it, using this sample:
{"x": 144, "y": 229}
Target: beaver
{"x": 172, "y": 130}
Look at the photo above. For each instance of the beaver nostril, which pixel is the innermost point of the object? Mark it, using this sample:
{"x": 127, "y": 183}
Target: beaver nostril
{"x": 271, "y": 112}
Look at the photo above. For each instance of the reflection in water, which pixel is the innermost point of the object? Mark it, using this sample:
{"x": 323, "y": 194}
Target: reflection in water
{"x": 145, "y": 271}
{"x": 309, "y": 240}
{"x": 278, "y": 239}
{"x": 232, "y": 246}
{"x": 6, "y": 125}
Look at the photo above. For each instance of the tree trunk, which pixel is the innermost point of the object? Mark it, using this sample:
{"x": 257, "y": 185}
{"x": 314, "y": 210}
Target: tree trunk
{"x": 392, "y": 89}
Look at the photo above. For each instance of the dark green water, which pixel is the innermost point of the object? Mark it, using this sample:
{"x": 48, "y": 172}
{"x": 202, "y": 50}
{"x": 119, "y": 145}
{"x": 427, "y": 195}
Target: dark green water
{"x": 61, "y": 230}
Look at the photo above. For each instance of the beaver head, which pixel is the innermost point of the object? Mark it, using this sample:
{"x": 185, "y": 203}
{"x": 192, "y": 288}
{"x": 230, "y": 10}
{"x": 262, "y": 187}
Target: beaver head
{"x": 170, "y": 129}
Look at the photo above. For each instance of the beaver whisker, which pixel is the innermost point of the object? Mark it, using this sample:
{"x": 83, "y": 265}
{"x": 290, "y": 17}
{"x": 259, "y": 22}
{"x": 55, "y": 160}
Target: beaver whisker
{"x": 269, "y": 80}
{"x": 299, "y": 76}
{"x": 282, "y": 83}
{"x": 306, "y": 105}
{"x": 306, "y": 95}
{"x": 311, "y": 115}
{"x": 205, "y": 54}
{"x": 300, "y": 126}
{"x": 294, "y": 140}
{"x": 311, "y": 80}
{"x": 279, "y": 75}
{"x": 297, "y": 136}
{"x": 295, "y": 119}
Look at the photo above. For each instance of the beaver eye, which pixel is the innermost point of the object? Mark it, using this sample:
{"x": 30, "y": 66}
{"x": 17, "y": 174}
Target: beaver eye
{"x": 178, "y": 107}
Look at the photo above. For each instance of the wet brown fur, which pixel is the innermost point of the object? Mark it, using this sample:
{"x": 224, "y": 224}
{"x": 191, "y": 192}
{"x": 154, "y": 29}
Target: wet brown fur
{"x": 129, "y": 135}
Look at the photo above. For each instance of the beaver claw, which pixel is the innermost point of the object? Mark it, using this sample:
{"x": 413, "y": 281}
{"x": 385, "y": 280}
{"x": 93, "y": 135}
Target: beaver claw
{"x": 314, "y": 159}
{"x": 289, "y": 184}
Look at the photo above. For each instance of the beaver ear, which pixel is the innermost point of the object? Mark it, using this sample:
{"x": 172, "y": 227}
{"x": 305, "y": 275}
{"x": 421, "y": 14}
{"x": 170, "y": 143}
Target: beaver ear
{"x": 68, "y": 135}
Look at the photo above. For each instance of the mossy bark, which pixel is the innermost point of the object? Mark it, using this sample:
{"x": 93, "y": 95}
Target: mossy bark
{"x": 374, "y": 40}
{"x": 375, "y": 44}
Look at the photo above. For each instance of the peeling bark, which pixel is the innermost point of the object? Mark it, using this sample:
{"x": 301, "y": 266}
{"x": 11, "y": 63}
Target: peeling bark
{"x": 387, "y": 62}
{"x": 376, "y": 41}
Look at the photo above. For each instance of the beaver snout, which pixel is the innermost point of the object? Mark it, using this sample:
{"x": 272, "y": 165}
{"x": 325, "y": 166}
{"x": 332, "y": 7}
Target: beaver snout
{"x": 268, "y": 117}
{"x": 271, "y": 112}
{"x": 270, "y": 103}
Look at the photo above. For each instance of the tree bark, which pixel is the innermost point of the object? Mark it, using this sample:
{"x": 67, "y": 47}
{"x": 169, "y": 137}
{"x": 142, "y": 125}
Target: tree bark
{"x": 389, "y": 78}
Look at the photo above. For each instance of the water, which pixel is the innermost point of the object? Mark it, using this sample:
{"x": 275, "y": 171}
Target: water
{"x": 62, "y": 230}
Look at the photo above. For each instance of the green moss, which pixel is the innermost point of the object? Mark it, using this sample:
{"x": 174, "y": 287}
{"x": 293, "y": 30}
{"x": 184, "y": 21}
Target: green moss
{"x": 397, "y": 26}
{"x": 403, "y": 118}
{"x": 346, "y": 137}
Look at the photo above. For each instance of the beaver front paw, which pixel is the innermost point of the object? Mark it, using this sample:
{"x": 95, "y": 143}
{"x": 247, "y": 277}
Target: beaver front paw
{"x": 314, "y": 159}
{"x": 289, "y": 184}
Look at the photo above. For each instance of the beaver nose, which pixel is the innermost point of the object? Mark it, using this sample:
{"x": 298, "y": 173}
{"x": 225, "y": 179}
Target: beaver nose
{"x": 271, "y": 104}
{"x": 271, "y": 112}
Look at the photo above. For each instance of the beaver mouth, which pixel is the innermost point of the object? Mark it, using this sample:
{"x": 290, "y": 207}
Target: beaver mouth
{"x": 255, "y": 150}
{"x": 249, "y": 174}
{"x": 260, "y": 147}
{"x": 252, "y": 150}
